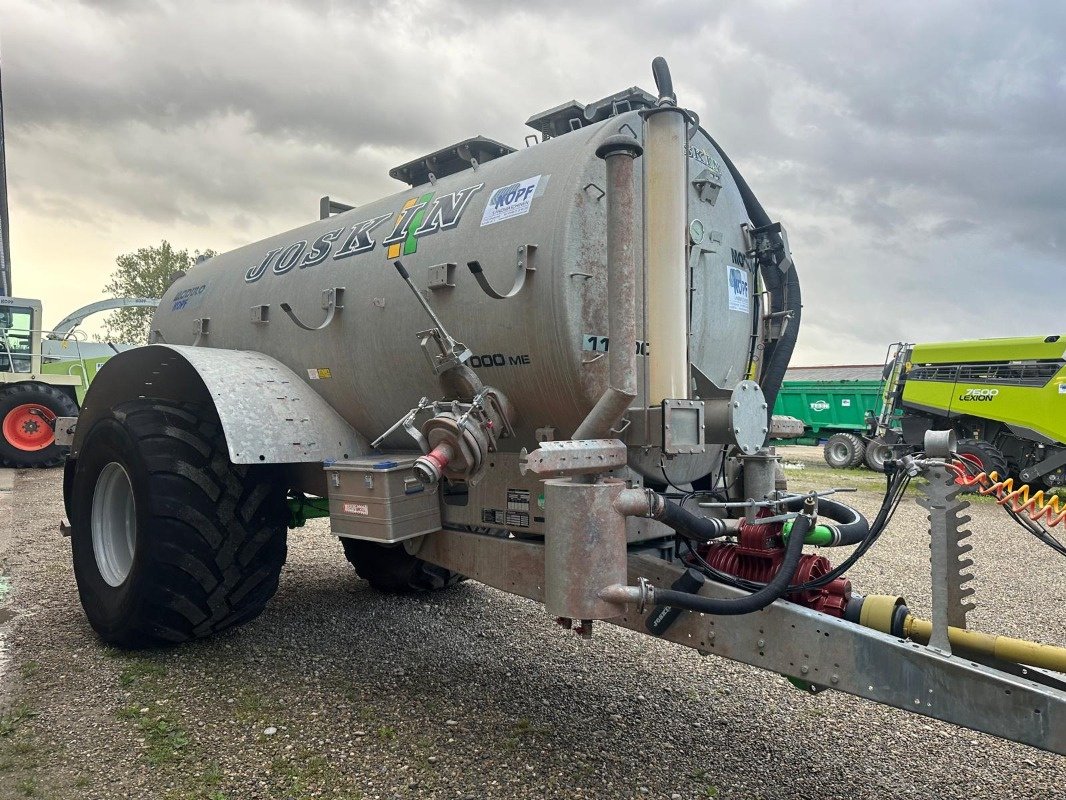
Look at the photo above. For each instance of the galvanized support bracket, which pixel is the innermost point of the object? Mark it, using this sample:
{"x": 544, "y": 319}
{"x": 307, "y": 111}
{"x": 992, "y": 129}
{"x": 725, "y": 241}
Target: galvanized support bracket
{"x": 260, "y": 314}
{"x": 524, "y": 265}
{"x": 545, "y": 434}
{"x": 201, "y": 327}
{"x": 796, "y": 642}
{"x": 578, "y": 457}
{"x": 441, "y": 276}
{"x": 328, "y": 207}
{"x": 331, "y": 302}
{"x": 946, "y": 531}
{"x": 707, "y": 186}
{"x": 64, "y": 431}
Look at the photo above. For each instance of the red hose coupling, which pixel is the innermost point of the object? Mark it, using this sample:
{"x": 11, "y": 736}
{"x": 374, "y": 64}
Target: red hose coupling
{"x": 430, "y": 467}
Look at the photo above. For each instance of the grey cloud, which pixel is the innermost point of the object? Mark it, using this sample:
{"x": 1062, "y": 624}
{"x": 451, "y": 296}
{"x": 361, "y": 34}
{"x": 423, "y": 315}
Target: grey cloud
{"x": 914, "y": 149}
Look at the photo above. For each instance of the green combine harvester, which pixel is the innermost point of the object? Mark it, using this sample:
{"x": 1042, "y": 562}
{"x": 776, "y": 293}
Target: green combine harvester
{"x": 1004, "y": 398}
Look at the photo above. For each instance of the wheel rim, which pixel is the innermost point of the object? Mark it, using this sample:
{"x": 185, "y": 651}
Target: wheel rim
{"x": 839, "y": 451}
{"x": 29, "y": 427}
{"x": 114, "y": 524}
{"x": 879, "y": 453}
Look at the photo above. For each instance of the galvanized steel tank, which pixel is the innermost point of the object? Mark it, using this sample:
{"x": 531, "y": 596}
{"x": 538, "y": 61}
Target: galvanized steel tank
{"x": 544, "y": 347}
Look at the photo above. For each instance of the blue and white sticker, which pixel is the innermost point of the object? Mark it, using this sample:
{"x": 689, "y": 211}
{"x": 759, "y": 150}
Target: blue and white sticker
{"x": 739, "y": 289}
{"x": 510, "y": 201}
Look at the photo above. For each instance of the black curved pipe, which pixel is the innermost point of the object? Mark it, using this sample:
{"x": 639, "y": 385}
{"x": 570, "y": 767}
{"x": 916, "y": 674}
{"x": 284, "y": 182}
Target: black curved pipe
{"x": 784, "y": 291}
{"x": 689, "y": 525}
{"x": 772, "y": 591}
{"x": 851, "y": 527}
{"x": 660, "y": 70}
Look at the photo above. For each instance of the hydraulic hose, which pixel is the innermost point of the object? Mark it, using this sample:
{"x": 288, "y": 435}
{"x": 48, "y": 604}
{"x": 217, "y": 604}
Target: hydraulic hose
{"x": 851, "y": 527}
{"x": 772, "y": 591}
{"x": 784, "y": 291}
{"x": 689, "y": 525}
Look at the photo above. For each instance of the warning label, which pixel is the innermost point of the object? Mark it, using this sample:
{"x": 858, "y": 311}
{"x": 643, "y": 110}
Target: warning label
{"x": 518, "y": 499}
{"x": 505, "y": 519}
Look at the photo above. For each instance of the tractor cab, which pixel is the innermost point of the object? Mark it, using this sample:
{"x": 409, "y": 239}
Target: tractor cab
{"x": 20, "y": 335}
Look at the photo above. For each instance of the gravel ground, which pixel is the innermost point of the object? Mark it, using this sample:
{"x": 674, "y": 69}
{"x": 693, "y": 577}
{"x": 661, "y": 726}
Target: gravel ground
{"x": 339, "y": 692}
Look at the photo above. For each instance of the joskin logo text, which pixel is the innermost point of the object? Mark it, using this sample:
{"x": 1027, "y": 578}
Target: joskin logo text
{"x": 419, "y": 216}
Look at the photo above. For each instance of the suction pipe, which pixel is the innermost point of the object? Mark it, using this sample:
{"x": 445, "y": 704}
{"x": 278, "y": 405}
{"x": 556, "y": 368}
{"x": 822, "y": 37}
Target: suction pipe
{"x": 618, "y": 152}
{"x": 665, "y": 215}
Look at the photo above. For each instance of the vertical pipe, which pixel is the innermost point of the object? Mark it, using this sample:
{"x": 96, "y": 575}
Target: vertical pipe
{"x": 618, "y": 152}
{"x": 584, "y": 548}
{"x": 621, "y": 254}
{"x": 665, "y": 215}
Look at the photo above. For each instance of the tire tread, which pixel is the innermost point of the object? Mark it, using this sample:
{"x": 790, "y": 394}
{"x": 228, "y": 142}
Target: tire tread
{"x": 219, "y": 528}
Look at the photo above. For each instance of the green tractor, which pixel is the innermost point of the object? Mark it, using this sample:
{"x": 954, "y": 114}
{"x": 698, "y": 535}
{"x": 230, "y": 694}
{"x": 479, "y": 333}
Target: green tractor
{"x": 1004, "y": 398}
{"x": 44, "y": 375}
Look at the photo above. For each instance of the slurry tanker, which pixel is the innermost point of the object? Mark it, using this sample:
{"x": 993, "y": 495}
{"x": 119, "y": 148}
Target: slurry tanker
{"x": 549, "y": 370}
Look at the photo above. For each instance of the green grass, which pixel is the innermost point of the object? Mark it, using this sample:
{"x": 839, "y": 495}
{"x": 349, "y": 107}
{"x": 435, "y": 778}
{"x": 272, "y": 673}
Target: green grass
{"x": 212, "y": 775}
{"x": 10, "y": 721}
{"x": 820, "y": 476}
{"x": 129, "y": 712}
{"x": 304, "y": 774}
{"x": 138, "y": 670}
{"x": 165, "y": 740}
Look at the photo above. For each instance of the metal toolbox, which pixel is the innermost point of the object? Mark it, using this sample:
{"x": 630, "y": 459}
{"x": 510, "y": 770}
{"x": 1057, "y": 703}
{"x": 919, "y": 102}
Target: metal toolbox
{"x": 378, "y": 499}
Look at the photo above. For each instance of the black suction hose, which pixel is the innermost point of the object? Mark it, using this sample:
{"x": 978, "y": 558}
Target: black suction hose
{"x": 752, "y": 602}
{"x": 660, "y": 70}
{"x": 784, "y": 290}
{"x": 689, "y": 525}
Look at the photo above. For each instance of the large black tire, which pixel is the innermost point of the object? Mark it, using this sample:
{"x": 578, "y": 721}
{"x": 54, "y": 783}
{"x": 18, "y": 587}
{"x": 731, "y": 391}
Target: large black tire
{"x": 843, "y": 450}
{"x": 980, "y": 456}
{"x": 390, "y": 568}
{"x": 877, "y": 453}
{"x": 205, "y": 538}
{"x": 27, "y": 439}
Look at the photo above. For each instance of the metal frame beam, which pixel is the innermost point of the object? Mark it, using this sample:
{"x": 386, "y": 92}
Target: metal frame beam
{"x": 827, "y": 652}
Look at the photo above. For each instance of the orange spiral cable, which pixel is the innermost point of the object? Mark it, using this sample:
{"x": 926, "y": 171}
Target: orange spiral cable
{"x": 1048, "y": 510}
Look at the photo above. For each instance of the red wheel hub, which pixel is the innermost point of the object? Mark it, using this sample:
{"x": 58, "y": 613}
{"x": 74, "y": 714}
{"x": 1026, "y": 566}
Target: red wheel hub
{"x": 29, "y": 427}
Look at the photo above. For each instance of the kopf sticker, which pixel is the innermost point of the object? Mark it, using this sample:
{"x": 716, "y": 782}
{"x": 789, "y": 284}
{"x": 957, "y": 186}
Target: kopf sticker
{"x": 739, "y": 289}
{"x": 510, "y": 201}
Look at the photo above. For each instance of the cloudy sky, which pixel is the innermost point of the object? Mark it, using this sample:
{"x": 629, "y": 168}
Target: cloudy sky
{"x": 916, "y": 151}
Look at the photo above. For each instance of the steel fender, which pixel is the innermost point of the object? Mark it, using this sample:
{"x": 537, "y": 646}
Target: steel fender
{"x": 269, "y": 414}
